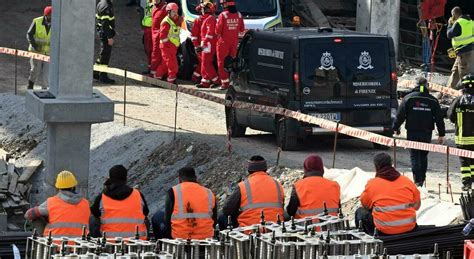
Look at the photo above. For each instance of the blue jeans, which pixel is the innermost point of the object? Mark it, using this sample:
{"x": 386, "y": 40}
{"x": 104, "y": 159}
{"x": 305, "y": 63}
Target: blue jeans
{"x": 161, "y": 229}
{"x": 364, "y": 217}
{"x": 419, "y": 158}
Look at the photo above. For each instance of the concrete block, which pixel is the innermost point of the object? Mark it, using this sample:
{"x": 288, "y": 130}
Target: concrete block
{"x": 3, "y": 220}
{"x": 13, "y": 183}
{"x": 85, "y": 110}
{"x": 29, "y": 170}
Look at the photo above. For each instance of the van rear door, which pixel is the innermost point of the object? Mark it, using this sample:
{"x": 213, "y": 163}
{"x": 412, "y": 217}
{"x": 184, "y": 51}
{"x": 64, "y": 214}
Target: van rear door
{"x": 369, "y": 82}
{"x": 323, "y": 72}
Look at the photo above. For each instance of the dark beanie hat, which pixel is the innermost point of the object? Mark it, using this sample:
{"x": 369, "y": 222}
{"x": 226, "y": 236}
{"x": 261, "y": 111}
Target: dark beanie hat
{"x": 118, "y": 173}
{"x": 313, "y": 163}
{"x": 256, "y": 163}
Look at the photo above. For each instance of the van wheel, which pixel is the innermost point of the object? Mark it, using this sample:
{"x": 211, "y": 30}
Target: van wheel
{"x": 284, "y": 141}
{"x": 237, "y": 131}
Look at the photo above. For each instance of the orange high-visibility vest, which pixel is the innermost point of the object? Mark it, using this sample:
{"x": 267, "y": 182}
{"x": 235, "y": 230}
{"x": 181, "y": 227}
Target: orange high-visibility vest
{"x": 312, "y": 192}
{"x": 120, "y": 218}
{"x": 260, "y": 192}
{"x": 393, "y": 204}
{"x": 192, "y": 211}
{"x": 65, "y": 219}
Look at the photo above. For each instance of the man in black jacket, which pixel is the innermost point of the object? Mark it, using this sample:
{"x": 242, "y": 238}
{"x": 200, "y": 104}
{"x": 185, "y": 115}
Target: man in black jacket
{"x": 106, "y": 29}
{"x": 461, "y": 113}
{"x": 421, "y": 111}
{"x": 115, "y": 188}
{"x": 461, "y": 33}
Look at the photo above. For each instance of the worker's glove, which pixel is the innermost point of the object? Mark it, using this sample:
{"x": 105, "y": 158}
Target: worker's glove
{"x": 199, "y": 49}
{"x": 451, "y": 21}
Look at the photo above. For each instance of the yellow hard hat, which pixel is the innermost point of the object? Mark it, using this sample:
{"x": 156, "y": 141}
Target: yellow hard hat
{"x": 65, "y": 180}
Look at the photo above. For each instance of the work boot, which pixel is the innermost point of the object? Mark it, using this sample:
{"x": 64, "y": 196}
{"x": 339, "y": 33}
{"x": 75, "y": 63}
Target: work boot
{"x": 104, "y": 78}
{"x": 223, "y": 87}
{"x": 201, "y": 85}
{"x": 30, "y": 85}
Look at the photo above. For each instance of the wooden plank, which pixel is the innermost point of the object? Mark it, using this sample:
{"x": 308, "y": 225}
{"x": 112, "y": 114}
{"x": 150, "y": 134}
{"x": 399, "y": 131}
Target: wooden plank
{"x": 29, "y": 170}
{"x": 13, "y": 183}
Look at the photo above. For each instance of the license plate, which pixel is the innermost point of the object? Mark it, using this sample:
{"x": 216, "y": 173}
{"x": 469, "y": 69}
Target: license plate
{"x": 331, "y": 116}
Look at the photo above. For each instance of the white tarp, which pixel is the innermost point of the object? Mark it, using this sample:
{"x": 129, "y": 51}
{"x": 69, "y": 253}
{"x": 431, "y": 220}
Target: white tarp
{"x": 433, "y": 211}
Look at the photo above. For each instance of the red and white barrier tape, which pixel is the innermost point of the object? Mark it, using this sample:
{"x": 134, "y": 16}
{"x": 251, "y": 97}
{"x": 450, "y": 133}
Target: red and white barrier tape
{"x": 326, "y": 124}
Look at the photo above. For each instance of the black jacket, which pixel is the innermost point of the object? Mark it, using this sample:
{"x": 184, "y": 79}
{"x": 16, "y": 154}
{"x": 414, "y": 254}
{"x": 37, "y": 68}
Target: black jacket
{"x": 117, "y": 192}
{"x": 456, "y": 30}
{"x": 169, "y": 206}
{"x": 465, "y": 105}
{"x": 421, "y": 111}
{"x": 105, "y": 19}
{"x": 30, "y": 35}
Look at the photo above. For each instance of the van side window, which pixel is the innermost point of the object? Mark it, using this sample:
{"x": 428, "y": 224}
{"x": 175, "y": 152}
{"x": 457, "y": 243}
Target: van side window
{"x": 271, "y": 62}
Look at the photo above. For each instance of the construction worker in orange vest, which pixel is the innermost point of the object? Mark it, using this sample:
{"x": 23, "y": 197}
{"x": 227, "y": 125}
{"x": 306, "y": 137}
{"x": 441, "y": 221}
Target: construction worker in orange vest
{"x": 389, "y": 201}
{"x": 313, "y": 191}
{"x": 256, "y": 194}
{"x": 67, "y": 212}
{"x": 190, "y": 210}
{"x": 119, "y": 209}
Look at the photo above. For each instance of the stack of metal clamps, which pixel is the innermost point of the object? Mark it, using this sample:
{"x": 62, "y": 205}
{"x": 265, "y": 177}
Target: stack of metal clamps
{"x": 196, "y": 249}
{"x": 86, "y": 247}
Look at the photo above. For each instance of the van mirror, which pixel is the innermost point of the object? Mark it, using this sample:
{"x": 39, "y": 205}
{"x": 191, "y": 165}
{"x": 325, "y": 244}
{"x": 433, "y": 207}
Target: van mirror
{"x": 231, "y": 64}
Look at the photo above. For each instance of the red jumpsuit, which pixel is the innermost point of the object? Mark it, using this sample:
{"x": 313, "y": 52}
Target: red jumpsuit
{"x": 229, "y": 25}
{"x": 159, "y": 13}
{"x": 148, "y": 41}
{"x": 169, "y": 64}
{"x": 195, "y": 38}
{"x": 208, "y": 43}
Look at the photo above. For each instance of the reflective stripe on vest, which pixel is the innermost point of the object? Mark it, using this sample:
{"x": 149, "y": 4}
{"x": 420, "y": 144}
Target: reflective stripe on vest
{"x": 173, "y": 33}
{"x": 317, "y": 211}
{"x": 66, "y": 219}
{"x": 459, "y": 138}
{"x": 397, "y": 207}
{"x": 147, "y": 16}
{"x": 252, "y": 205}
{"x": 182, "y": 215}
{"x": 42, "y": 38}
{"x": 467, "y": 34}
{"x": 395, "y": 223}
{"x": 120, "y": 218}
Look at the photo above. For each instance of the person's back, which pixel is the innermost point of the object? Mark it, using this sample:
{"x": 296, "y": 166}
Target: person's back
{"x": 229, "y": 25}
{"x": 192, "y": 215}
{"x": 67, "y": 213}
{"x": 260, "y": 192}
{"x": 393, "y": 204}
{"x": 119, "y": 207}
{"x": 315, "y": 191}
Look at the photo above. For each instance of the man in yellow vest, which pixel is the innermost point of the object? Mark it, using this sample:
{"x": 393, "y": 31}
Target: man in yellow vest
{"x": 461, "y": 32}
{"x": 147, "y": 35}
{"x": 67, "y": 212}
{"x": 169, "y": 43}
{"x": 120, "y": 208}
{"x": 39, "y": 36}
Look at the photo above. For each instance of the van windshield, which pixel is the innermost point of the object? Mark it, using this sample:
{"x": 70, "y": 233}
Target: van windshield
{"x": 248, "y": 8}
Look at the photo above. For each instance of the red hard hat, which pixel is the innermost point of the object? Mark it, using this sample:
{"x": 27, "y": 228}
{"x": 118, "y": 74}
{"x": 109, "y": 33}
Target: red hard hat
{"x": 47, "y": 10}
{"x": 171, "y": 7}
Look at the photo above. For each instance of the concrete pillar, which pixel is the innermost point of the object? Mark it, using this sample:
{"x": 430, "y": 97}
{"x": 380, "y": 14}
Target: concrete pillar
{"x": 379, "y": 17}
{"x": 74, "y": 105}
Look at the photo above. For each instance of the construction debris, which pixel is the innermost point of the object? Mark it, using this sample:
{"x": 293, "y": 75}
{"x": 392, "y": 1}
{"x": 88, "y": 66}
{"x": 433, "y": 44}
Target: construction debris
{"x": 14, "y": 190}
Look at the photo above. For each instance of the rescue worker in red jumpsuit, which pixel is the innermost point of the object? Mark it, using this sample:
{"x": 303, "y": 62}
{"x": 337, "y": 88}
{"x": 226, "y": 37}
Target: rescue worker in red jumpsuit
{"x": 208, "y": 46}
{"x": 169, "y": 43}
{"x": 229, "y": 24}
{"x": 158, "y": 14}
{"x": 195, "y": 38}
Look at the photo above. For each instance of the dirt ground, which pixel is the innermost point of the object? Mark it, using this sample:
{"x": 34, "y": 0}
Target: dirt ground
{"x": 199, "y": 120}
